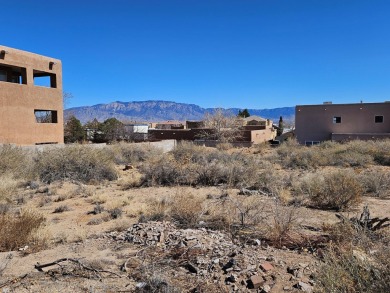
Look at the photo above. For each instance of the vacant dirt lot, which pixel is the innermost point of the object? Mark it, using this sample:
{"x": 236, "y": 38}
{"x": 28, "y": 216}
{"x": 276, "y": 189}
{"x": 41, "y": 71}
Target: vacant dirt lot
{"x": 127, "y": 219}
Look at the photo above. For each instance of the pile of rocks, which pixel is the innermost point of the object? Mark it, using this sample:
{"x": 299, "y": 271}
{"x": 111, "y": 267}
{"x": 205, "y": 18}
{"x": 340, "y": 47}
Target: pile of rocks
{"x": 221, "y": 260}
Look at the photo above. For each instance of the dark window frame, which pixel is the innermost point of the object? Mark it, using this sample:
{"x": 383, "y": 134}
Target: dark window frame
{"x": 52, "y": 83}
{"x": 14, "y": 74}
{"x": 46, "y": 116}
{"x": 379, "y": 119}
{"x": 336, "y": 119}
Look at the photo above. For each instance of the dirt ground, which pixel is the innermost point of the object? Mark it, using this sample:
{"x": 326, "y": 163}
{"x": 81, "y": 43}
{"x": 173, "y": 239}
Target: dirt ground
{"x": 77, "y": 233}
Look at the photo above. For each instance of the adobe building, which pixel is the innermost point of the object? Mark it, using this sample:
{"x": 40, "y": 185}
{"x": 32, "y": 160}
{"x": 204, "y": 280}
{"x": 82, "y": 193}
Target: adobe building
{"x": 31, "y": 107}
{"x": 341, "y": 122}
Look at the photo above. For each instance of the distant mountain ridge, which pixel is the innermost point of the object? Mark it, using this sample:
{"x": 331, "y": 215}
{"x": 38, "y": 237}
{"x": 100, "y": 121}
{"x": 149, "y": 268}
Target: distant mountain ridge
{"x": 156, "y": 110}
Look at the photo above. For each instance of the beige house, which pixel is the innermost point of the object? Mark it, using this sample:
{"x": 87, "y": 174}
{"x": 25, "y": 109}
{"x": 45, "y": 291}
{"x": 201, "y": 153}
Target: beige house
{"x": 340, "y": 122}
{"x": 31, "y": 107}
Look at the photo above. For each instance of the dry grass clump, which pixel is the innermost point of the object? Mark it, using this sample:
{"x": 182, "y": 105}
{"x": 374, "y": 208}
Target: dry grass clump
{"x": 376, "y": 182}
{"x": 15, "y": 162}
{"x": 349, "y": 154}
{"x": 355, "y": 261}
{"x": 8, "y": 187}
{"x": 17, "y": 230}
{"x": 284, "y": 222}
{"x": 186, "y": 210}
{"x": 79, "y": 163}
{"x": 350, "y": 272}
{"x": 132, "y": 153}
{"x": 183, "y": 208}
{"x": 337, "y": 189}
{"x": 61, "y": 209}
{"x": 194, "y": 165}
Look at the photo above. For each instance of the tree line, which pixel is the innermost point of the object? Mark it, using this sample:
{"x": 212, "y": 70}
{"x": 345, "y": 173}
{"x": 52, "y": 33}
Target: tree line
{"x": 97, "y": 132}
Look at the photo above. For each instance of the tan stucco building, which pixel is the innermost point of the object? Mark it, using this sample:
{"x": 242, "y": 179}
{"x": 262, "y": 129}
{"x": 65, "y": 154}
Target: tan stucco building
{"x": 31, "y": 106}
{"x": 340, "y": 122}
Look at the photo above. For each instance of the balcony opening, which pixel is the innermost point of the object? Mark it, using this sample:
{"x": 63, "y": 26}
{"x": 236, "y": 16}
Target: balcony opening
{"x": 45, "y": 79}
{"x": 378, "y": 119}
{"x": 45, "y": 116}
{"x": 13, "y": 74}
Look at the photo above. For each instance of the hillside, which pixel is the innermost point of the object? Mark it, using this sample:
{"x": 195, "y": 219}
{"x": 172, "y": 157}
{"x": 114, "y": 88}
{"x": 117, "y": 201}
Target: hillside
{"x": 161, "y": 110}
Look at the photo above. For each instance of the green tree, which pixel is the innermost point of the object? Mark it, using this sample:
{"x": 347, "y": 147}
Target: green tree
{"x": 113, "y": 130}
{"x": 73, "y": 130}
{"x": 94, "y": 131}
{"x": 243, "y": 114}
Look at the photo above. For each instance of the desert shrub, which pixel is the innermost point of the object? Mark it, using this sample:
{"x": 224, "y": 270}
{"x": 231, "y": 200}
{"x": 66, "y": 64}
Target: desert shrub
{"x": 193, "y": 165}
{"x": 61, "y": 209}
{"x": 98, "y": 209}
{"x": 224, "y": 146}
{"x": 79, "y": 163}
{"x": 338, "y": 189}
{"x": 269, "y": 180}
{"x": 351, "y": 154}
{"x": 284, "y": 221}
{"x": 351, "y": 271}
{"x": 132, "y": 153}
{"x": 115, "y": 213}
{"x": 134, "y": 179}
{"x": 15, "y": 162}
{"x": 8, "y": 187}
{"x": 376, "y": 182}
{"x": 232, "y": 213}
{"x": 19, "y": 230}
{"x": 156, "y": 211}
{"x": 186, "y": 210}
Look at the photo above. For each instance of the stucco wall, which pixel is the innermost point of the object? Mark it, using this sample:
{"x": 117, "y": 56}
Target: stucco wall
{"x": 18, "y": 124}
{"x": 315, "y": 122}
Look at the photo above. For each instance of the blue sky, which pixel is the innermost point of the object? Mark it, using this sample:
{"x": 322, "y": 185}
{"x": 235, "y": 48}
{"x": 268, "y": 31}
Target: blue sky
{"x": 243, "y": 53}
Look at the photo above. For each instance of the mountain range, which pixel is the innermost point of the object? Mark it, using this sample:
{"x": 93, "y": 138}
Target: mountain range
{"x": 155, "y": 110}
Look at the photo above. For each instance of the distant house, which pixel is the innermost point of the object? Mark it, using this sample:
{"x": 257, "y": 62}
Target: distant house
{"x": 340, "y": 122}
{"x": 136, "y": 131}
{"x": 194, "y": 124}
{"x": 258, "y": 131}
{"x": 168, "y": 125}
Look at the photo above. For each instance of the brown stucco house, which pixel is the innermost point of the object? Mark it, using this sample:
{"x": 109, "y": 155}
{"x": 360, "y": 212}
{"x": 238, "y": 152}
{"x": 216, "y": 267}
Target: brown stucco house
{"x": 31, "y": 107}
{"x": 341, "y": 122}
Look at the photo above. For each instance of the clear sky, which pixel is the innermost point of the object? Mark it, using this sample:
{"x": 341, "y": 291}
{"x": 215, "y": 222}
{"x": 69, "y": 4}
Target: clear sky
{"x": 243, "y": 53}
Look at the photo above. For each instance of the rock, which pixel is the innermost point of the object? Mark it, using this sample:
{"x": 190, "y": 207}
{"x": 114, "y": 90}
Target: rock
{"x": 128, "y": 167}
{"x": 232, "y": 278}
{"x": 295, "y": 271}
{"x": 287, "y": 288}
{"x": 256, "y": 242}
{"x": 248, "y": 192}
{"x": 229, "y": 265}
{"x": 256, "y": 281}
{"x": 266, "y": 289}
{"x": 216, "y": 261}
{"x": 191, "y": 268}
{"x": 43, "y": 189}
{"x": 140, "y": 285}
{"x": 33, "y": 185}
{"x": 270, "y": 258}
{"x": 266, "y": 267}
{"x": 304, "y": 287}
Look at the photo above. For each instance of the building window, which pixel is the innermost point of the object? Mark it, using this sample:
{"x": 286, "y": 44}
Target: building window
{"x": 310, "y": 143}
{"x": 13, "y": 74}
{"x": 337, "y": 119}
{"x": 45, "y": 79}
{"x": 3, "y": 75}
{"x": 378, "y": 119}
{"x": 45, "y": 116}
